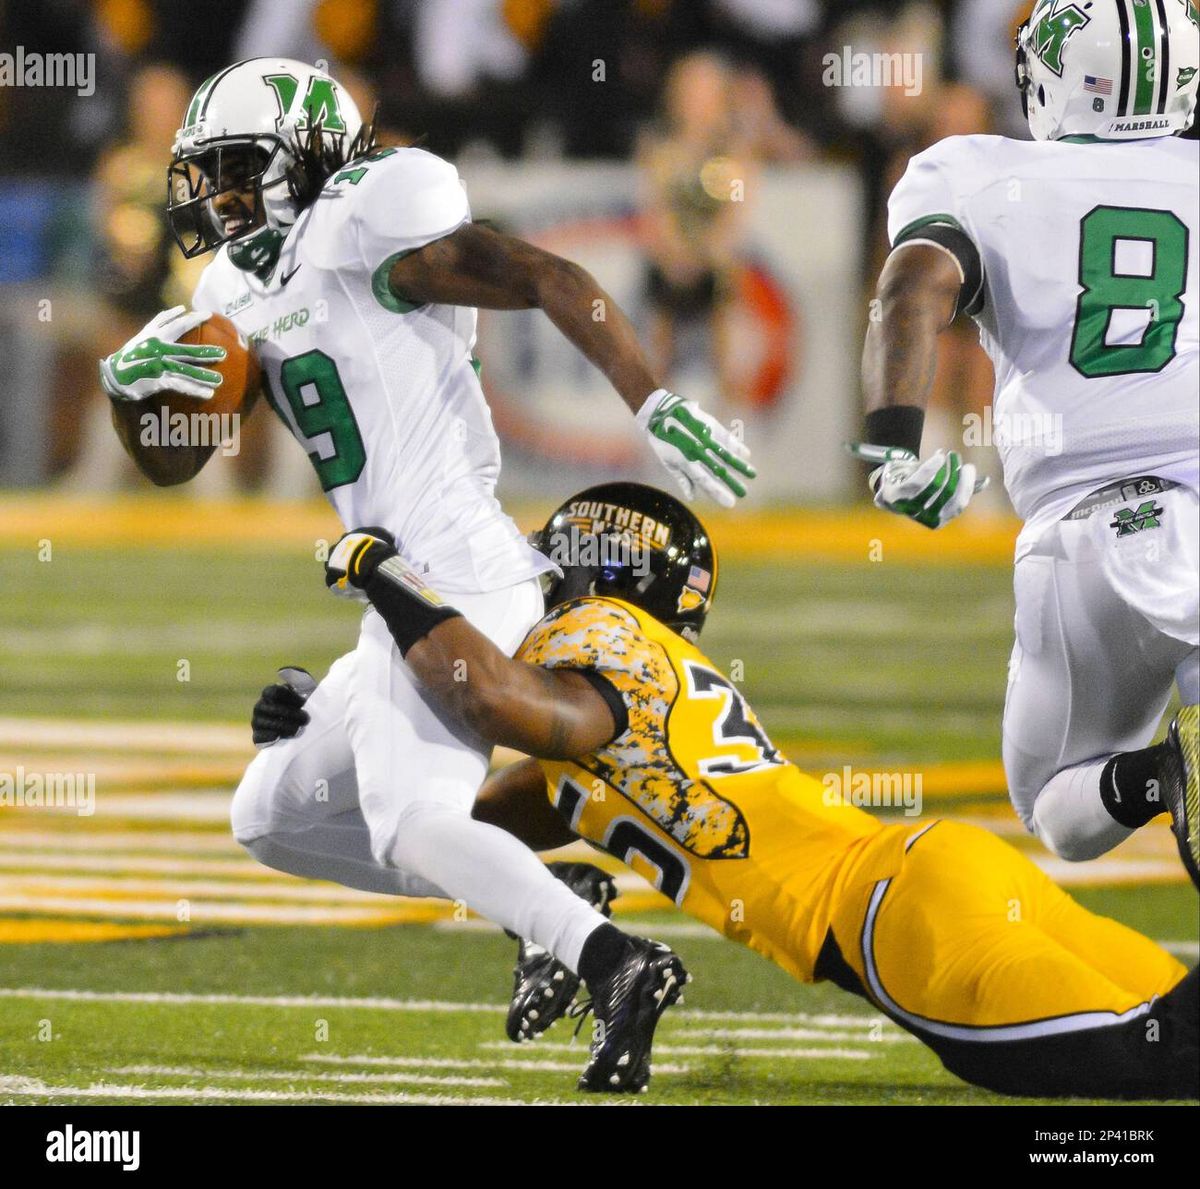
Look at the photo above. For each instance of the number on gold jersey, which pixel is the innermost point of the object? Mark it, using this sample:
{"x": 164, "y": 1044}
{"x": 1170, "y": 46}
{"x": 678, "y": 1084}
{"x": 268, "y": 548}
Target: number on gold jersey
{"x": 734, "y": 729}
{"x": 626, "y": 837}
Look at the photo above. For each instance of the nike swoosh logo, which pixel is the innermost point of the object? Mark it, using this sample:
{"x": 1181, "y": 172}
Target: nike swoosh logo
{"x": 287, "y": 276}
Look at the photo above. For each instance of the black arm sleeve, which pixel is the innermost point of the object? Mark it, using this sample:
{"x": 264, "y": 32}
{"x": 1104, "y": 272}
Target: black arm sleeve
{"x": 959, "y": 244}
{"x": 896, "y": 425}
{"x": 408, "y": 614}
{"x": 611, "y": 695}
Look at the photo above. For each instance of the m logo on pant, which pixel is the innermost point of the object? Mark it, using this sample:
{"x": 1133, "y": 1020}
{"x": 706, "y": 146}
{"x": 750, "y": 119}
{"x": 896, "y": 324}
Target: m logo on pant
{"x": 1129, "y": 521}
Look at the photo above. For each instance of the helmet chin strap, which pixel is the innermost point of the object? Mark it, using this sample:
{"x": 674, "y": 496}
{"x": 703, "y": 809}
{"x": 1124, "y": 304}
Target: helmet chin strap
{"x": 258, "y": 251}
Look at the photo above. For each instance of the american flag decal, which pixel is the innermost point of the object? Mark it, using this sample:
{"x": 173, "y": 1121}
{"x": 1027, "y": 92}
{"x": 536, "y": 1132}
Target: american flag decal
{"x": 1098, "y": 86}
{"x": 699, "y": 578}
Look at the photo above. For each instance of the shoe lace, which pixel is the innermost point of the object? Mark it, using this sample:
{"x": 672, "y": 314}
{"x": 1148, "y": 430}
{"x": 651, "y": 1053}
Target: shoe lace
{"x": 580, "y": 1011}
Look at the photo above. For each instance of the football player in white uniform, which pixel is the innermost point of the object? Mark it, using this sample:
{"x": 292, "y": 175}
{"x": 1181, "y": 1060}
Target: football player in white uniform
{"x": 356, "y": 271}
{"x": 1076, "y": 254}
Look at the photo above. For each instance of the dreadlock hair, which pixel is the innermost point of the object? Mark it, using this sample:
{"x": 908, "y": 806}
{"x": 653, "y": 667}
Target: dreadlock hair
{"x": 316, "y": 161}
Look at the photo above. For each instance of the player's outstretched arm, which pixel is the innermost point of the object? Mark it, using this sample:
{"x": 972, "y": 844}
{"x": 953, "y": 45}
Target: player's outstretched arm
{"x": 476, "y": 266}
{"x": 555, "y": 714}
{"x": 552, "y": 714}
{"x": 514, "y": 798}
{"x": 918, "y": 297}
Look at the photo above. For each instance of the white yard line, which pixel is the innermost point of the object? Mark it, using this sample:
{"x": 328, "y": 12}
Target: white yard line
{"x": 306, "y": 1002}
{"x": 22, "y": 1087}
{"x": 665, "y": 931}
{"x": 513, "y": 1064}
{"x": 200, "y": 912}
{"x": 81, "y": 734}
{"x": 1182, "y": 949}
{"x": 671, "y": 1049}
{"x": 178, "y": 999}
{"x": 284, "y": 1075}
{"x": 892, "y": 1035}
{"x": 199, "y": 805}
{"x": 118, "y": 887}
{"x": 124, "y": 866}
{"x": 797, "y": 1054}
{"x": 116, "y": 841}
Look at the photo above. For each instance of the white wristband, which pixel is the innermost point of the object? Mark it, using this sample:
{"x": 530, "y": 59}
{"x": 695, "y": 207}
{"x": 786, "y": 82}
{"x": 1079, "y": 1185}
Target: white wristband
{"x": 651, "y": 403}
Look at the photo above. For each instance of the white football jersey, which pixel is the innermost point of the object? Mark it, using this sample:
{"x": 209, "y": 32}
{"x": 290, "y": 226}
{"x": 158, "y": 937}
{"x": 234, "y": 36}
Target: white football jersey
{"x": 383, "y": 394}
{"x": 1089, "y": 302}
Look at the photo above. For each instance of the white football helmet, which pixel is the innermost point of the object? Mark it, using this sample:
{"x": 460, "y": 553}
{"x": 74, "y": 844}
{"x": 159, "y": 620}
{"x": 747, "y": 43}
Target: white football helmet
{"x": 273, "y": 126}
{"x": 1113, "y": 69}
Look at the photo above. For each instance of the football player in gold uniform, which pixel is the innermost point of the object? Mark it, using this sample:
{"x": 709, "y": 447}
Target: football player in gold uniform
{"x": 646, "y": 749}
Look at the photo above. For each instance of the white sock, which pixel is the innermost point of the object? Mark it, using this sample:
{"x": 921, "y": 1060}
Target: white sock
{"x": 495, "y": 876}
{"x": 1070, "y": 818}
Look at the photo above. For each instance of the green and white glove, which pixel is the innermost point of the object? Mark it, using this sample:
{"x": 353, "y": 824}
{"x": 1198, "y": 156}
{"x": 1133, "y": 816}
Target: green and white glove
{"x": 154, "y": 361}
{"x": 696, "y": 448}
{"x": 932, "y": 492}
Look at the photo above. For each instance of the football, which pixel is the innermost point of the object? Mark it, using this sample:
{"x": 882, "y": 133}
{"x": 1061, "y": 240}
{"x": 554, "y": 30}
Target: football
{"x": 171, "y": 436}
{"x": 239, "y": 370}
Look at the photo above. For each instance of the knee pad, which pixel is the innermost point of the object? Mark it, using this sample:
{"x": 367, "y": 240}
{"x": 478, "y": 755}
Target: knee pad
{"x": 250, "y": 810}
{"x": 1061, "y": 840}
{"x": 406, "y": 846}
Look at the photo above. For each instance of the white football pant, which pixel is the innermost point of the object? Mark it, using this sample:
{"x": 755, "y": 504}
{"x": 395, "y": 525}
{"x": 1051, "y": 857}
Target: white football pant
{"x": 376, "y": 792}
{"x": 1104, "y": 626}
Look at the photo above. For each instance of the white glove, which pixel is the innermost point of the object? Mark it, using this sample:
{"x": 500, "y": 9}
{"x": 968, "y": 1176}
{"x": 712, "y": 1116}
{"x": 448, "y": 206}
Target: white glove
{"x": 154, "y": 361}
{"x": 932, "y": 492}
{"x": 696, "y": 448}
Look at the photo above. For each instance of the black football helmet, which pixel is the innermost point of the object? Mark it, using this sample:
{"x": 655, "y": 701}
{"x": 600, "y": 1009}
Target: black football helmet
{"x": 635, "y": 543}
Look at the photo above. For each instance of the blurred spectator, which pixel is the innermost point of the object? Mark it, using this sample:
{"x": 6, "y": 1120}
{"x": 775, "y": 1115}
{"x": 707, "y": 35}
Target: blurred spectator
{"x": 138, "y": 270}
{"x": 771, "y": 35}
{"x": 602, "y": 66}
{"x": 984, "y": 35}
{"x": 767, "y": 136}
{"x": 37, "y": 132}
{"x": 201, "y": 38}
{"x": 271, "y": 29}
{"x": 695, "y": 166}
{"x": 462, "y": 45}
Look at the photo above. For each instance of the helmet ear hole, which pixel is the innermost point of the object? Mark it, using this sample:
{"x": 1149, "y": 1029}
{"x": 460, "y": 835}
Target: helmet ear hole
{"x": 1041, "y": 96}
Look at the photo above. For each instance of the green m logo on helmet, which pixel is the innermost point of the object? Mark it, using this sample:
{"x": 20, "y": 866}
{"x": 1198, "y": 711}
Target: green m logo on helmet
{"x": 1052, "y": 29}
{"x": 319, "y": 105}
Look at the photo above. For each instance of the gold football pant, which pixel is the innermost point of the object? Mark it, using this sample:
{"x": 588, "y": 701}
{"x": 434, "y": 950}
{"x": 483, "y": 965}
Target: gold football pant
{"x": 1016, "y": 987}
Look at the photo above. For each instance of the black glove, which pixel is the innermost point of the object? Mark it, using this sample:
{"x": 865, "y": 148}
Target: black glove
{"x": 279, "y": 712}
{"x": 364, "y": 564}
{"x": 354, "y": 558}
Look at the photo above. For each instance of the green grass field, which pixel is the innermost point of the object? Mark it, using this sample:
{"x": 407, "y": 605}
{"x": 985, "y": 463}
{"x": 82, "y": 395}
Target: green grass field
{"x": 272, "y": 989}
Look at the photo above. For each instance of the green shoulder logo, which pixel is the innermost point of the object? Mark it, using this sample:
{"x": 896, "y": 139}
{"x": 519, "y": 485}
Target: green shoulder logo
{"x": 319, "y": 105}
{"x": 1052, "y": 29}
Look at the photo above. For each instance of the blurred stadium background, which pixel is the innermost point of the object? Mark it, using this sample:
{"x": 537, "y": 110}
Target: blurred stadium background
{"x": 136, "y": 626}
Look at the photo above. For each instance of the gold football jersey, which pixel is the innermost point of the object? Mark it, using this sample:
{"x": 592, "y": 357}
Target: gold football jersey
{"x": 693, "y": 794}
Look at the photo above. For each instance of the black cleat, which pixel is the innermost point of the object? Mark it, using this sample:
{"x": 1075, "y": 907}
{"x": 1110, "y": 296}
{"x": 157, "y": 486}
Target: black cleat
{"x": 1181, "y": 786}
{"x": 628, "y": 1006}
{"x": 543, "y": 988}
